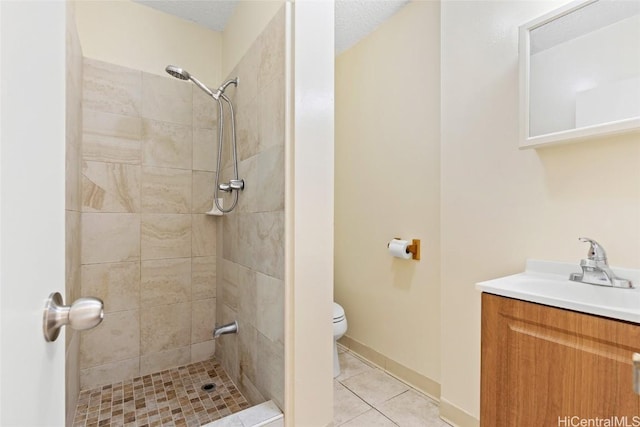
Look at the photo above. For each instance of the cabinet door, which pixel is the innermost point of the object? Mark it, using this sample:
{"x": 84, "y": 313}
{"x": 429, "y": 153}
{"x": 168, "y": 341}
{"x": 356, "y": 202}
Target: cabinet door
{"x": 543, "y": 366}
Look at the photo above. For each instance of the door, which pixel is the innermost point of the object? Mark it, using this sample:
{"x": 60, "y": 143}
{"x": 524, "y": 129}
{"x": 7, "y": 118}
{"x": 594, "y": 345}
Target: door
{"x": 32, "y": 209}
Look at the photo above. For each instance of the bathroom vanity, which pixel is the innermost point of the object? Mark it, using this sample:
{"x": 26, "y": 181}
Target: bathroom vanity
{"x": 555, "y": 352}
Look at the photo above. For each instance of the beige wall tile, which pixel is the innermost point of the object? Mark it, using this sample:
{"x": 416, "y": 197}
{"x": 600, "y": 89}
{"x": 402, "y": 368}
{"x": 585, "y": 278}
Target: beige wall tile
{"x": 248, "y": 351}
{"x": 117, "y": 284}
{"x": 72, "y": 255}
{"x": 229, "y": 294}
{"x": 166, "y": 144}
{"x": 247, "y": 295}
{"x": 230, "y": 237}
{"x": 116, "y": 338}
{"x": 247, "y": 132}
{"x": 270, "y": 368}
{"x": 272, "y": 52}
{"x": 205, "y": 149}
{"x": 247, "y": 240}
{"x": 270, "y": 307}
{"x": 203, "y": 187}
{"x": 203, "y": 277}
{"x": 205, "y": 110}
{"x": 165, "y": 281}
{"x": 271, "y": 115}
{"x": 155, "y": 362}
{"x": 166, "y": 190}
{"x": 165, "y": 236}
{"x": 270, "y": 180}
{"x": 204, "y": 235}
{"x": 111, "y": 88}
{"x": 110, "y": 187}
{"x": 166, "y": 99}
{"x": 111, "y": 137}
{"x": 109, "y": 373}
{"x": 251, "y": 195}
{"x": 110, "y": 237}
{"x": 165, "y": 327}
{"x": 270, "y": 244}
{"x": 203, "y": 319}
{"x": 202, "y": 351}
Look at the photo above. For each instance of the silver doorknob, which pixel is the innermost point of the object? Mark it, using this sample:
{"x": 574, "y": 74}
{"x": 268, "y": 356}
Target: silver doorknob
{"x": 84, "y": 313}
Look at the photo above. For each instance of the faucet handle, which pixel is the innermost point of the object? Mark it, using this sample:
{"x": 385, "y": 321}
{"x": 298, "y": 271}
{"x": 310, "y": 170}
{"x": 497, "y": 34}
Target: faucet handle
{"x": 596, "y": 252}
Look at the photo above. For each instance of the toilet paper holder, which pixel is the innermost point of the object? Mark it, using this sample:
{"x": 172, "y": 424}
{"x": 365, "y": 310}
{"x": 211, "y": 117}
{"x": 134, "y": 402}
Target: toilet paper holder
{"x": 413, "y": 248}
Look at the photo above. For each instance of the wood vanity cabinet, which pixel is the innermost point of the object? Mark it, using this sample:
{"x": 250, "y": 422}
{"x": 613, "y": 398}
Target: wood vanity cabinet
{"x": 542, "y": 365}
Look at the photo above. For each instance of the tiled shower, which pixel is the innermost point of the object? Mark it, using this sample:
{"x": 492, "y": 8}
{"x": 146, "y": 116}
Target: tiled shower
{"x": 139, "y": 184}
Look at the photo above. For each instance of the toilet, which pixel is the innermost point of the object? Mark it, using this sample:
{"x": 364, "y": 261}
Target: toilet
{"x": 339, "y": 329}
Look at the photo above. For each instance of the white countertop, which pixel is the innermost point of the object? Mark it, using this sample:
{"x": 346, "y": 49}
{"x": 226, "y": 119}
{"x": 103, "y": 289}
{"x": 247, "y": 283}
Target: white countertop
{"x": 546, "y": 282}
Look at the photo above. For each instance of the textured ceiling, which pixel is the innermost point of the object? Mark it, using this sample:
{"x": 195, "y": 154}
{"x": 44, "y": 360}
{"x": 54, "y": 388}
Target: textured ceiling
{"x": 355, "y": 19}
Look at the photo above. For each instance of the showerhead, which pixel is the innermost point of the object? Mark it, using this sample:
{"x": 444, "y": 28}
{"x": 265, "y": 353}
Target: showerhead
{"x": 178, "y": 73}
{"x": 181, "y": 74}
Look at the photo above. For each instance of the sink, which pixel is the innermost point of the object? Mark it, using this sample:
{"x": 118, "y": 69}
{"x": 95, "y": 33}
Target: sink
{"x": 546, "y": 282}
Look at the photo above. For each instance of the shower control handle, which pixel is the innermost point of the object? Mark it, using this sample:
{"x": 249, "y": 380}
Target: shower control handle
{"x": 224, "y": 187}
{"x": 237, "y": 184}
{"x": 84, "y": 313}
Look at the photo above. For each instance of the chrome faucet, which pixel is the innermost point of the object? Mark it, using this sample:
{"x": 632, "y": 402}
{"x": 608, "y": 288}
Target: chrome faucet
{"x": 229, "y": 328}
{"x": 596, "y": 270}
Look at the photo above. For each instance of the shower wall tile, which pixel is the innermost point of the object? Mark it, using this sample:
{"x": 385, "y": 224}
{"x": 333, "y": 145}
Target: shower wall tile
{"x": 166, "y": 144}
{"x": 166, "y": 190}
{"x": 155, "y": 362}
{"x": 109, "y": 373}
{"x": 269, "y": 318}
{"x": 111, "y": 88}
{"x": 251, "y": 195}
{"x": 202, "y": 351}
{"x": 248, "y": 136}
{"x": 248, "y": 241}
{"x": 110, "y": 237}
{"x": 111, "y": 138}
{"x": 229, "y": 237}
{"x": 270, "y": 244}
{"x": 205, "y": 110}
{"x": 271, "y": 121}
{"x": 165, "y": 327}
{"x": 229, "y": 294}
{"x": 203, "y": 320}
{"x": 272, "y": 42}
{"x": 203, "y": 277}
{"x": 165, "y": 281}
{"x": 270, "y": 365}
{"x": 204, "y": 235}
{"x": 248, "y": 295}
{"x": 248, "y": 352}
{"x": 110, "y": 187}
{"x": 203, "y": 187}
{"x": 167, "y": 99}
{"x": 117, "y": 284}
{"x": 247, "y": 71}
{"x": 116, "y": 338}
{"x": 270, "y": 180}
{"x": 72, "y": 254}
{"x": 165, "y": 236}
{"x": 205, "y": 149}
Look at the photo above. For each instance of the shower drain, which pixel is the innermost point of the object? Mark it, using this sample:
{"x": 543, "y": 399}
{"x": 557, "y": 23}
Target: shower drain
{"x": 209, "y": 387}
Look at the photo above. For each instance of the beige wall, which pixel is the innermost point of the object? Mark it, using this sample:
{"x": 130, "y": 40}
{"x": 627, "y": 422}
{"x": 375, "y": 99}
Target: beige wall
{"x": 388, "y": 185}
{"x": 249, "y": 19}
{"x": 148, "y": 249}
{"x": 132, "y": 35}
{"x": 502, "y": 205}
{"x": 251, "y": 260}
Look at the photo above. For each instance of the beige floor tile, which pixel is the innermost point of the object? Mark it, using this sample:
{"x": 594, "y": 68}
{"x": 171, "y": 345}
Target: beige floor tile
{"x": 371, "y": 418}
{"x": 351, "y": 366}
{"x": 346, "y": 405}
{"x": 411, "y": 409}
{"x": 375, "y": 387}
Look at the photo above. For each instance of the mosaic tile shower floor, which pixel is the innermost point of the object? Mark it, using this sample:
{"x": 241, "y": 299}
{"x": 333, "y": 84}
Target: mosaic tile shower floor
{"x": 169, "y": 398}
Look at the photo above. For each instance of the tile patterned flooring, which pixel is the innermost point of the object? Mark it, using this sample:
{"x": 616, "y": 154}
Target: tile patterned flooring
{"x": 169, "y": 398}
{"x": 366, "y": 396}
